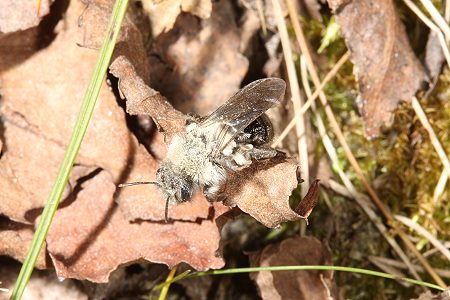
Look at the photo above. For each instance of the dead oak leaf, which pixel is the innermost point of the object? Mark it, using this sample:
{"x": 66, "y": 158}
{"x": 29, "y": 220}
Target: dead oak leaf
{"x": 263, "y": 189}
{"x": 299, "y": 285}
{"x": 21, "y": 14}
{"x": 105, "y": 239}
{"x": 163, "y": 14}
{"x": 386, "y": 68}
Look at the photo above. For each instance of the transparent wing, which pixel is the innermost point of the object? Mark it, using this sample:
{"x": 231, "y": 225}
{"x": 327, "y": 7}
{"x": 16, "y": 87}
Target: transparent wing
{"x": 243, "y": 108}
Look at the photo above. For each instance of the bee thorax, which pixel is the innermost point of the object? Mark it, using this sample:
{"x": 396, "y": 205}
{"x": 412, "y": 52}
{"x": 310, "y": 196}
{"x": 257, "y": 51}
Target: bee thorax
{"x": 190, "y": 156}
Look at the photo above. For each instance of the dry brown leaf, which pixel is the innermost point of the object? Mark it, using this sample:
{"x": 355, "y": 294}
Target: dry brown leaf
{"x": 21, "y": 14}
{"x": 263, "y": 191}
{"x": 43, "y": 285}
{"x": 298, "y": 285}
{"x": 198, "y": 65}
{"x": 105, "y": 239}
{"x": 141, "y": 99}
{"x": 163, "y": 14}
{"x": 308, "y": 202}
{"x": 387, "y": 69}
{"x": 15, "y": 240}
{"x": 17, "y": 46}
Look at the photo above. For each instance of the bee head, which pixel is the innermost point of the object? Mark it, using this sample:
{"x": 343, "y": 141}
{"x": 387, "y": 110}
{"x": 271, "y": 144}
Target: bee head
{"x": 176, "y": 186}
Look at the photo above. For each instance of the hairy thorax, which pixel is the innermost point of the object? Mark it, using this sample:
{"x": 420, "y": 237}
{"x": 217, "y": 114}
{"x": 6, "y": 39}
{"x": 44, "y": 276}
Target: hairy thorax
{"x": 191, "y": 155}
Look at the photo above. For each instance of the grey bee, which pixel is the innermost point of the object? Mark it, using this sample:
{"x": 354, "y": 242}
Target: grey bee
{"x": 229, "y": 139}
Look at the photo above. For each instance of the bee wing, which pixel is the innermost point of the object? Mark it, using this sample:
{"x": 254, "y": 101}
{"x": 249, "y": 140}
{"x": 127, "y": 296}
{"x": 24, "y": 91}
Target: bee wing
{"x": 243, "y": 108}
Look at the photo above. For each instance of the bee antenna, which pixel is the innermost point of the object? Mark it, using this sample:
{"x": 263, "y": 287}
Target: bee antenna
{"x": 136, "y": 183}
{"x": 166, "y": 211}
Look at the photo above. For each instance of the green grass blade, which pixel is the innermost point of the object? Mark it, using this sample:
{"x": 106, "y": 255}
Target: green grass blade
{"x": 307, "y": 267}
{"x": 87, "y": 108}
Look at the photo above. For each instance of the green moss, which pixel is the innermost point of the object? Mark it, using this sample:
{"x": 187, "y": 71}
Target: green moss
{"x": 411, "y": 167}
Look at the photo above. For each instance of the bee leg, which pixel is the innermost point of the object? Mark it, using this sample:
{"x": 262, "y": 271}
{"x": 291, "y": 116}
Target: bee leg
{"x": 265, "y": 153}
{"x": 214, "y": 193}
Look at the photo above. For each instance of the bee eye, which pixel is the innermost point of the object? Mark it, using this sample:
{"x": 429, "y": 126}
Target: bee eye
{"x": 186, "y": 192}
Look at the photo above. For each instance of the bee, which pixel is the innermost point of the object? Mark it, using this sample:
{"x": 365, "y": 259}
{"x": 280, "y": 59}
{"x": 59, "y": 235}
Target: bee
{"x": 228, "y": 140}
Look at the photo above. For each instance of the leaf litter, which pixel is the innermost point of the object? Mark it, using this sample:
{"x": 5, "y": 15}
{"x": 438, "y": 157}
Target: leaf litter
{"x": 118, "y": 226}
{"x": 191, "y": 60}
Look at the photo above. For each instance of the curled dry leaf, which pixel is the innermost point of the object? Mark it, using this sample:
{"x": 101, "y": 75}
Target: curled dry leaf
{"x": 387, "y": 69}
{"x": 21, "y": 14}
{"x": 198, "y": 65}
{"x": 308, "y": 202}
{"x": 263, "y": 191}
{"x": 163, "y": 14}
{"x": 299, "y": 285}
{"x": 141, "y": 99}
{"x": 105, "y": 239}
{"x": 15, "y": 240}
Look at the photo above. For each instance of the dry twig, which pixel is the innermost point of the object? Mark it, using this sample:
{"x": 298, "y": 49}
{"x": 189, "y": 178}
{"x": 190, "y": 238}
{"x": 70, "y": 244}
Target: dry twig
{"x": 295, "y": 91}
{"x": 432, "y": 27}
{"x": 330, "y": 75}
{"x": 423, "y": 232}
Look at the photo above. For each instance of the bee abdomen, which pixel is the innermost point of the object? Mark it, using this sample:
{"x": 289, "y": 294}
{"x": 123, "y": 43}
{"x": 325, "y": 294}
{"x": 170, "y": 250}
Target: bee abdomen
{"x": 259, "y": 132}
